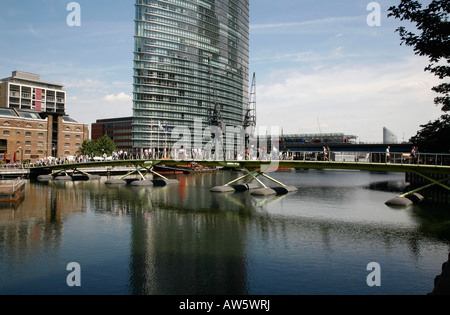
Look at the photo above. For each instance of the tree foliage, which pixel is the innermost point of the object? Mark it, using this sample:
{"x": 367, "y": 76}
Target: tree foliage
{"x": 102, "y": 145}
{"x": 432, "y": 39}
{"x": 434, "y": 136}
{"x": 105, "y": 144}
{"x": 87, "y": 147}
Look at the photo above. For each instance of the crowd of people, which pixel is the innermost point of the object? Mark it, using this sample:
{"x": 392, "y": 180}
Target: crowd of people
{"x": 182, "y": 153}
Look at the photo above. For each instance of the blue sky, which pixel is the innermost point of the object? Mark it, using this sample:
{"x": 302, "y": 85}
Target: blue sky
{"x": 319, "y": 65}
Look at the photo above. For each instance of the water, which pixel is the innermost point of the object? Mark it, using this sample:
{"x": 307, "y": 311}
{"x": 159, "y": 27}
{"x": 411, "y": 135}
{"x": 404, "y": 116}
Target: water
{"x": 185, "y": 240}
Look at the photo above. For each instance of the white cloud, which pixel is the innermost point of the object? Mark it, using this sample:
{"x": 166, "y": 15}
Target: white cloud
{"x": 35, "y": 32}
{"x": 358, "y": 100}
{"x": 83, "y": 84}
{"x": 299, "y": 25}
{"x": 121, "y": 97}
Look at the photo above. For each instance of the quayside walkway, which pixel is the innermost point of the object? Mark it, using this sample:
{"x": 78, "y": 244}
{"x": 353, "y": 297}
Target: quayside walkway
{"x": 425, "y": 166}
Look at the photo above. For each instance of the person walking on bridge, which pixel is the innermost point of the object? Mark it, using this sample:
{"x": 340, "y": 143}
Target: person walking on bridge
{"x": 414, "y": 155}
{"x": 325, "y": 154}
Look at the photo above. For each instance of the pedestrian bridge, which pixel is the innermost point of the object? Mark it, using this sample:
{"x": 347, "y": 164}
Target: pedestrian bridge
{"x": 254, "y": 169}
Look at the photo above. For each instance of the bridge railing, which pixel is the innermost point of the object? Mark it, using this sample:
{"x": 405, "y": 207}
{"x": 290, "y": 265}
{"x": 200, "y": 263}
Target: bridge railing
{"x": 319, "y": 156}
{"x": 402, "y": 158}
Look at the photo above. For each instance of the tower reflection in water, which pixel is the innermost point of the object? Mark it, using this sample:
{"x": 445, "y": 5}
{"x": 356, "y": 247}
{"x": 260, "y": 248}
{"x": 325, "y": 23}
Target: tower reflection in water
{"x": 183, "y": 239}
{"x": 178, "y": 244}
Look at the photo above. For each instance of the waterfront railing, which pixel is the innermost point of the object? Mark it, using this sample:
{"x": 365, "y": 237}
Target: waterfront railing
{"x": 402, "y": 158}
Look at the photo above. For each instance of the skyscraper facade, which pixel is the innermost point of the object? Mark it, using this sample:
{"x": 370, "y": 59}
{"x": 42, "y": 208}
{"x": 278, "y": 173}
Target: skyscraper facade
{"x": 191, "y": 61}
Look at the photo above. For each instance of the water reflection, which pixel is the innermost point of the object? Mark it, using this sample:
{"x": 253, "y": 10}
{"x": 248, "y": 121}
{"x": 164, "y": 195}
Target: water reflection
{"x": 179, "y": 253}
{"x": 183, "y": 239}
{"x": 33, "y": 230}
{"x": 434, "y": 220}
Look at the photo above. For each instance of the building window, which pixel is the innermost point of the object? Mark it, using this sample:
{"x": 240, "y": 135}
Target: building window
{"x": 29, "y": 125}
{"x": 67, "y": 145}
{"x": 6, "y": 132}
{"x": 40, "y": 135}
{"x": 41, "y": 126}
{"x": 40, "y": 144}
{"x": 28, "y": 143}
{"x": 67, "y": 137}
{"x": 7, "y": 123}
{"x": 28, "y": 134}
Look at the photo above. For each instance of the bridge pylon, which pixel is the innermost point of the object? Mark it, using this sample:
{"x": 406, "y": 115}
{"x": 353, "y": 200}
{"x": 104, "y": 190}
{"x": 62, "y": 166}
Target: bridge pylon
{"x": 257, "y": 190}
{"x": 413, "y": 196}
{"x": 143, "y": 171}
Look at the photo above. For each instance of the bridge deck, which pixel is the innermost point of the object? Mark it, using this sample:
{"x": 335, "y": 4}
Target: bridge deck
{"x": 256, "y": 168}
{"x": 266, "y": 166}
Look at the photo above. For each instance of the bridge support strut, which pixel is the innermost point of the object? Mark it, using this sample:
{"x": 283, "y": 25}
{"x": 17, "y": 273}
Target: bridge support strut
{"x": 248, "y": 185}
{"x": 142, "y": 171}
{"x": 412, "y": 196}
{"x": 67, "y": 174}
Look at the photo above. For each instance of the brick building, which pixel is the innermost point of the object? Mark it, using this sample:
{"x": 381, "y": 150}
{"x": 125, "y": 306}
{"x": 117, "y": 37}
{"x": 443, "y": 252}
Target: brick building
{"x": 33, "y": 120}
{"x": 32, "y": 136}
{"x": 118, "y": 129}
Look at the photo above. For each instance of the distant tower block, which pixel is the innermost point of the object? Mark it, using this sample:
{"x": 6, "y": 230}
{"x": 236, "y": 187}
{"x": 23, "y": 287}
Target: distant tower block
{"x": 389, "y": 137}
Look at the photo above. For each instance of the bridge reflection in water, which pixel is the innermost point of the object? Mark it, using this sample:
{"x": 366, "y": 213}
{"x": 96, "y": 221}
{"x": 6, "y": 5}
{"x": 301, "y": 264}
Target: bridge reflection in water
{"x": 183, "y": 240}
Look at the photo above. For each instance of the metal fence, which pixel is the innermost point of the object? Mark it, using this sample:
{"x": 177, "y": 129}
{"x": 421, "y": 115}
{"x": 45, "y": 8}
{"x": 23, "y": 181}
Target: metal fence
{"x": 324, "y": 156}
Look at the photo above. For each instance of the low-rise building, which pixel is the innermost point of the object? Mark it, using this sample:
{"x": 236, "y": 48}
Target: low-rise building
{"x": 30, "y": 136}
{"x": 27, "y": 91}
{"x": 118, "y": 129}
{"x": 33, "y": 120}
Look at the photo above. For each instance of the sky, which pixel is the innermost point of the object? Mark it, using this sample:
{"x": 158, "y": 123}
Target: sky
{"x": 320, "y": 67}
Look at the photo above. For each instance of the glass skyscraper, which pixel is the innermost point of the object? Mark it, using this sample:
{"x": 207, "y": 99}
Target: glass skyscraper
{"x": 191, "y": 57}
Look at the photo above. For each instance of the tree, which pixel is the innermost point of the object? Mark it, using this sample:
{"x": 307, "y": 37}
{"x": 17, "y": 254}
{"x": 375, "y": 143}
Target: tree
{"x": 433, "y": 40}
{"x": 104, "y": 144}
{"x": 434, "y": 136}
{"x": 87, "y": 147}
